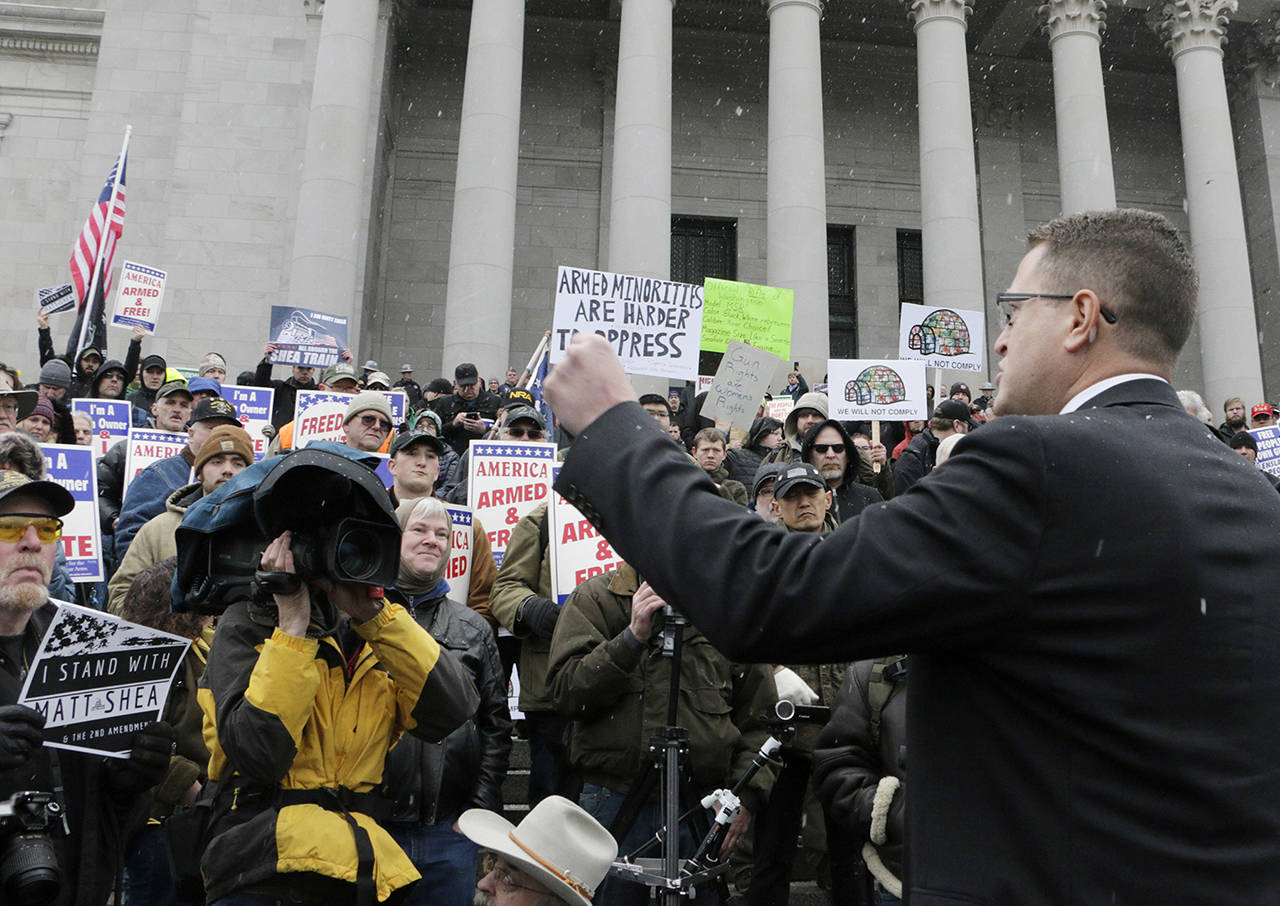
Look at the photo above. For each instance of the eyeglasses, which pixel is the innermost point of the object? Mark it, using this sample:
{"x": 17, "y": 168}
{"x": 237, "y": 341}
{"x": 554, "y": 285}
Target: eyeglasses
{"x": 14, "y": 526}
{"x": 370, "y": 420}
{"x": 522, "y": 433}
{"x": 823, "y": 448}
{"x": 8, "y": 405}
{"x": 507, "y": 878}
{"x": 1004, "y": 304}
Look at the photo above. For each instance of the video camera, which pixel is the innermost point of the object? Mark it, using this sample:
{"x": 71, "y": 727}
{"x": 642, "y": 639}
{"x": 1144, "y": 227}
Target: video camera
{"x": 343, "y": 525}
{"x": 29, "y": 873}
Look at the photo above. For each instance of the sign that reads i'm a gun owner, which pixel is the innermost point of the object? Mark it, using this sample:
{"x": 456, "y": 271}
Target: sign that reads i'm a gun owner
{"x": 578, "y": 551}
{"x": 53, "y": 299}
{"x": 73, "y": 468}
{"x": 739, "y": 386}
{"x": 253, "y": 405}
{"x": 111, "y": 421}
{"x": 458, "y": 572}
{"x": 505, "y": 481}
{"x": 653, "y": 325}
{"x": 138, "y": 297}
{"x": 98, "y": 679}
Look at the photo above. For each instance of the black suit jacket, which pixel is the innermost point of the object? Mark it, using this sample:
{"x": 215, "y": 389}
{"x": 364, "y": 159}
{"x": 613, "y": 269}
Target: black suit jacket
{"x": 1091, "y": 602}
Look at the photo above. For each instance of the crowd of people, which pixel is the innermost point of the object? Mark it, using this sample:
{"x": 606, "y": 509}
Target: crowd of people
{"x": 327, "y": 744}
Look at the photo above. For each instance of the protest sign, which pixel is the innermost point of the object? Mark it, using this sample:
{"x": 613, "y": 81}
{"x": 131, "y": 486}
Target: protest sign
{"x": 942, "y": 337}
{"x": 53, "y": 299}
{"x": 1268, "y": 439}
{"x": 741, "y": 380}
{"x": 877, "y": 389}
{"x": 147, "y": 446}
{"x": 73, "y": 468}
{"x": 139, "y": 292}
{"x": 253, "y": 405}
{"x": 505, "y": 481}
{"x": 705, "y": 381}
{"x": 111, "y": 421}
{"x": 653, "y": 325}
{"x": 318, "y": 414}
{"x": 98, "y": 679}
{"x": 306, "y": 337}
{"x": 779, "y": 407}
{"x": 759, "y": 315}
{"x": 458, "y": 572}
{"x": 578, "y": 551}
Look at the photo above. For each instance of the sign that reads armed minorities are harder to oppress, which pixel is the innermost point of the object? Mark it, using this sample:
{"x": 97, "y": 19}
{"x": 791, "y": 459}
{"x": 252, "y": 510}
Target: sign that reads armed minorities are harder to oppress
{"x": 147, "y": 446}
{"x": 319, "y": 414}
{"x": 74, "y": 469}
{"x": 505, "y": 481}
{"x": 759, "y": 315}
{"x": 138, "y": 296}
{"x": 578, "y": 551}
{"x": 458, "y": 572}
{"x": 942, "y": 337}
{"x": 305, "y": 337}
{"x": 653, "y": 325}
{"x": 98, "y": 680}
{"x": 111, "y": 421}
{"x": 1268, "y": 448}
{"x": 740, "y": 384}
{"x": 888, "y": 390}
{"x": 253, "y": 405}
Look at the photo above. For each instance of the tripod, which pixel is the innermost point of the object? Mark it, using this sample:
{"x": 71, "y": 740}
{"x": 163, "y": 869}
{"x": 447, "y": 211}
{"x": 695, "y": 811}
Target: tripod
{"x": 669, "y": 751}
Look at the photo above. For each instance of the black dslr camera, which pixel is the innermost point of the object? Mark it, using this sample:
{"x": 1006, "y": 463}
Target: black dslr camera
{"x": 343, "y": 525}
{"x": 29, "y": 873}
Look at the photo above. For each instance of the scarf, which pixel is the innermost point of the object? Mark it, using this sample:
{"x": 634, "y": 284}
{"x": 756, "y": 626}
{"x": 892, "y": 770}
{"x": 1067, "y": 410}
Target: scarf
{"x": 409, "y": 581}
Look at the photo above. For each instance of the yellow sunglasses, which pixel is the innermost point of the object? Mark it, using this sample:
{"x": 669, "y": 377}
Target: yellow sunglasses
{"x": 14, "y": 525}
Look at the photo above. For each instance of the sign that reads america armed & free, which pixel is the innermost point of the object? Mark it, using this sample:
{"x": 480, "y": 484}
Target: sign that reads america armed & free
{"x": 138, "y": 297}
{"x": 888, "y": 390}
{"x": 578, "y": 551}
{"x": 147, "y": 446}
{"x": 458, "y": 572}
{"x": 505, "y": 481}
{"x": 111, "y": 421}
{"x": 653, "y": 325}
{"x": 942, "y": 337}
{"x": 98, "y": 679}
{"x": 73, "y": 468}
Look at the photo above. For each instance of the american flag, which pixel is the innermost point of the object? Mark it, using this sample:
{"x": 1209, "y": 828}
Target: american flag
{"x": 535, "y": 389}
{"x": 102, "y": 230}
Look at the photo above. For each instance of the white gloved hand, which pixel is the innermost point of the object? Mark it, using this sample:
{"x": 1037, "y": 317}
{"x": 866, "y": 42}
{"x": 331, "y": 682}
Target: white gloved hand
{"x": 792, "y": 688}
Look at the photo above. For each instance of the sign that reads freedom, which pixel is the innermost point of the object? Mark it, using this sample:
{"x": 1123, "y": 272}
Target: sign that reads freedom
{"x": 653, "y": 325}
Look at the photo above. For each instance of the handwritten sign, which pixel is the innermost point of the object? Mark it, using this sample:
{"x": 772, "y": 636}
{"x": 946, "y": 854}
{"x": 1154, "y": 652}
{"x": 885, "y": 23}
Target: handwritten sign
{"x": 111, "y": 421}
{"x": 318, "y": 414}
{"x": 253, "y": 404}
{"x": 759, "y": 315}
{"x": 306, "y": 337}
{"x": 740, "y": 383}
{"x": 458, "y": 572}
{"x": 98, "y": 679}
{"x": 53, "y": 299}
{"x": 862, "y": 389}
{"x": 942, "y": 337}
{"x": 779, "y": 407}
{"x": 505, "y": 481}
{"x": 73, "y": 468}
{"x": 578, "y": 551}
{"x": 147, "y": 446}
{"x": 139, "y": 292}
{"x": 653, "y": 325}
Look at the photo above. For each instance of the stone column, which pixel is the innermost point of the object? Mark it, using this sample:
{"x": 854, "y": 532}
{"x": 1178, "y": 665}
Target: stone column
{"x": 948, "y": 181}
{"x": 477, "y": 319}
{"x": 331, "y": 198}
{"x": 1084, "y": 141}
{"x": 797, "y": 193}
{"x": 1194, "y": 31}
{"x": 640, "y": 203}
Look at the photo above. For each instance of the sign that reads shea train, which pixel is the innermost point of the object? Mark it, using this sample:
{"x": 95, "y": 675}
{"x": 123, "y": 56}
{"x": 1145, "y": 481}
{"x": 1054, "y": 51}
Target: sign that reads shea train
{"x": 505, "y": 481}
{"x": 653, "y": 325}
{"x": 578, "y": 551}
{"x": 871, "y": 389}
{"x": 138, "y": 297}
{"x": 73, "y": 468}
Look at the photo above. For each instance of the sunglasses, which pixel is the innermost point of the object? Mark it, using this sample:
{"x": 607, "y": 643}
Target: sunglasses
{"x": 523, "y": 433}
{"x": 823, "y": 448}
{"x": 14, "y": 526}
{"x": 370, "y": 420}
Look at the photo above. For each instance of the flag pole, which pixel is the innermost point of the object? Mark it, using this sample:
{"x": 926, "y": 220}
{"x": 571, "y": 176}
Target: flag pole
{"x": 527, "y": 375}
{"x": 102, "y": 244}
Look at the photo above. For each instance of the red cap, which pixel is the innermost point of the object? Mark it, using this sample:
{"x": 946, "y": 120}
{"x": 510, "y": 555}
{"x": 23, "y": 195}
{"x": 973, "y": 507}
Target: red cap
{"x": 1261, "y": 409}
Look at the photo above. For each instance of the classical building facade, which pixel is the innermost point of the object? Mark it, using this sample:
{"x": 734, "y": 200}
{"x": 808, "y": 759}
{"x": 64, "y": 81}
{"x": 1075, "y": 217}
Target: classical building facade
{"x": 423, "y": 166}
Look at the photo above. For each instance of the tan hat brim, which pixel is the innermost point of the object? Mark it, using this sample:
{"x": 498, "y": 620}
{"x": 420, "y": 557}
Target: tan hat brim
{"x": 491, "y": 831}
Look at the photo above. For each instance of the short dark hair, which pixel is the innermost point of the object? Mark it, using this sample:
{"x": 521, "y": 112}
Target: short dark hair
{"x": 711, "y": 435}
{"x": 1243, "y": 439}
{"x": 1137, "y": 262}
{"x": 655, "y": 399}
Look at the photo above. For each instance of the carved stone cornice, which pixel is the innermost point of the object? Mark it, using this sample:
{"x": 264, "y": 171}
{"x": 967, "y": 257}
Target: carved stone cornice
{"x": 313, "y": 8}
{"x": 922, "y": 11}
{"x": 1072, "y": 17}
{"x": 50, "y": 30}
{"x": 56, "y": 45}
{"x": 815, "y": 5}
{"x": 1186, "y": 25}
{"x": 1258, "y": 55}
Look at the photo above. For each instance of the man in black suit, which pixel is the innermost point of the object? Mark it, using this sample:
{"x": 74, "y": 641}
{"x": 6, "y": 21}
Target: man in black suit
{"x": 1095, "y": 711}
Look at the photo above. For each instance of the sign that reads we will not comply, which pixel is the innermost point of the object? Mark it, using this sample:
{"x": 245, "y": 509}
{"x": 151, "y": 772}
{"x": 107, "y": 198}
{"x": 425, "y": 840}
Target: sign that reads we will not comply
{"x": 653, "y": 325}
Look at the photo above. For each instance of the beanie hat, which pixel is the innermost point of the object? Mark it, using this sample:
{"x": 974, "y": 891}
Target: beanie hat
{"x": 225, "y": 439}
{"x": 363, "y": 402}
{"x": 211, "y": 360}
{"x": 55, "y": 373}
{"x": 45, "y": 408}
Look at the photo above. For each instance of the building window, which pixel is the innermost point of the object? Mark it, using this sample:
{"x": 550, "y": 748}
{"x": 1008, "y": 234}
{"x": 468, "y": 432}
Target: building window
{"x": 704, "y": 247}
{"x": 910, "y": 267}
{"x": 842, "y": 293}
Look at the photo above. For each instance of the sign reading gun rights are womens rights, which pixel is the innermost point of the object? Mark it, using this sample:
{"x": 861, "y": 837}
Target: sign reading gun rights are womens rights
{"x": 655, "y": 326}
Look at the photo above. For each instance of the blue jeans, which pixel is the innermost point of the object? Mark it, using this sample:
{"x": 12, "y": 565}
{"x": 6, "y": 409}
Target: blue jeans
{"x": 445, "y": 859}
{"x": 884, "y": 898}
{"x": 148, "y": 877}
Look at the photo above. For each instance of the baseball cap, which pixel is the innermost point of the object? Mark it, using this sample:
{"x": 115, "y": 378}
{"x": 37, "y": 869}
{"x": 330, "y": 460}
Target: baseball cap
{"x": 517, "y": 397}
{"x": 54, "y": 494}
{"x": 526, "y": 412}
{"x": 154, "y": 361}
{"x": 378, "y": 377}
{"x": 213, "y": 407}
{"x": 409, "y": 438}
{"x": 337, "y": 371}
{"x": 767, "y": 472}
{"x": 204, "y": 385}
{"x": 173, "y": 387}
{"x": 1261, "y": 409}
{"x": 465, "y": 374}
{"x": 406, "y": 368}
{"x": 953, "y": 410}
{"x": 796, "y": 474}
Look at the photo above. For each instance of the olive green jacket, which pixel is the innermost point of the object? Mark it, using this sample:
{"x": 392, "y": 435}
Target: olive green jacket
{"x": 525, "y": 571}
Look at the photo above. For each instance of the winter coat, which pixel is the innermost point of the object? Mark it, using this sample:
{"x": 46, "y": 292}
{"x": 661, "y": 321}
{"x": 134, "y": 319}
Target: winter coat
{"x": 111, "y": 485}
{"x": 860, "y": 476}
{"x": 433, "y": 782}
{"x": 411, "y": 388}
{"x": 153, "y": 543}
{"x": 616, "y": 694}
{"x": 287, "y": 718}
{"x": 729, "y": 489}
{"x": 138, "y": 417}
{"x": 286, "y": 393}
{"x": 526, "y": 571}
{"x": 789, "y": 449}
{"x": 447, "y": 407}
{"x": 917, "y": 460}
{"x": 147, "y": 493}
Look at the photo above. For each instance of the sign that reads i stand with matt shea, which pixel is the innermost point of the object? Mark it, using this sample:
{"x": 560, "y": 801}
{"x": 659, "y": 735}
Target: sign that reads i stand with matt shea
{"x": 653, "y": 325}
{"x": 871, "y": 389}
{"x": 73, "y": 468}
{"x": 138, "y": 296}
{"x": 53, "y": 299}
{"x": 98, "y": 680}
{"x": 505, "y": 481}
{"x": 942, "y": 337}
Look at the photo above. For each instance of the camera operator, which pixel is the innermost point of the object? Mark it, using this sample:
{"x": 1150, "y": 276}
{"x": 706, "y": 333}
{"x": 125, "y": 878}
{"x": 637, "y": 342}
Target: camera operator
{"x": 300, "y": 711}
{"x": 98, "y": 799}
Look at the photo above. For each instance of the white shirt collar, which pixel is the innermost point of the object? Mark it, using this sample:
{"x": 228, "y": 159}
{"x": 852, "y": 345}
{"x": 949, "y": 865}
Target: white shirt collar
{"x": 1093, "y": 390}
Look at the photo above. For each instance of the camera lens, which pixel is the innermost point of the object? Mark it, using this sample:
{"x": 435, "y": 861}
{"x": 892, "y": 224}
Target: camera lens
{"x": 359, "y": 553}
{"x": 29, "y": 870}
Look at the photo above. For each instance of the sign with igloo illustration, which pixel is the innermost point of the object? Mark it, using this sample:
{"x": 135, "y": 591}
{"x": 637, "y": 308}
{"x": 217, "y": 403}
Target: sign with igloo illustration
{"x": 869, "y": 389}
{"x": 942, "y": 337}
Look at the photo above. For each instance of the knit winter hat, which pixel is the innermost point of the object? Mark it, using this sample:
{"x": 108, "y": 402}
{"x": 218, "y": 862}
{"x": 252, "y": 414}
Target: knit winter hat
{"x": 55, "y": 373}
{"x": 225, "y": 439}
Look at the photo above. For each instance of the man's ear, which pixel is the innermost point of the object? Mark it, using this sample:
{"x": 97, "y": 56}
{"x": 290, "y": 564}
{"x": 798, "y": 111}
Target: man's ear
{"x": 830, "y": 499}
{"x": 1086, "y": 313}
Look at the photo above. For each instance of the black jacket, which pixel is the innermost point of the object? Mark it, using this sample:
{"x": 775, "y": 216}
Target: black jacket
{"x": 916, "y": 460}
{"x": 412, "y": 391}
{"x": 111, "y": 485}
{"x": 1095, "y": 709}
{"x": 485, "y": 405}
{"x": 432, "y": 782}
{"x": 852, "y": 496}
{"x": 286, "y": 393}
